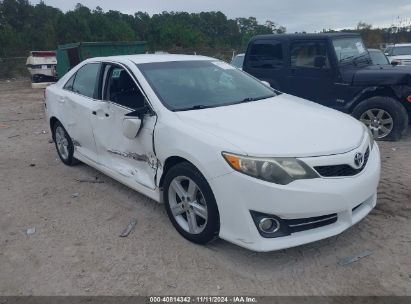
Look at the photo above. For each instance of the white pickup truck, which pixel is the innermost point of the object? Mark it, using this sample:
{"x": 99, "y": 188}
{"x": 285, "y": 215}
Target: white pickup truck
{"x": 399, "y": 54}
{"x": 42, "y": 66}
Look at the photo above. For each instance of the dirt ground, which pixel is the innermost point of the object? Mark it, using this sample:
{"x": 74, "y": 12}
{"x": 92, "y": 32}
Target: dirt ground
{"x": 76, "y": 248}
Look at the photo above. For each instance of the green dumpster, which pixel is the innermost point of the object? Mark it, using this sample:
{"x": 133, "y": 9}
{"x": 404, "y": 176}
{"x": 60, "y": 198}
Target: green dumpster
{"x": 69, "y": 55}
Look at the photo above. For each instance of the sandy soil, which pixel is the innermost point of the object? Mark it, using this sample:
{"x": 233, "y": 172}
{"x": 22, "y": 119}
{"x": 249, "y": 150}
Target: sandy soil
{"x": 76, "y": 249}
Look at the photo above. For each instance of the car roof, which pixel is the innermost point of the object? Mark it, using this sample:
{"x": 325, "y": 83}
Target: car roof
{"x": 285, "y": 37}
{"x": 152, "y": 58}
{"x": 374, "y": 50}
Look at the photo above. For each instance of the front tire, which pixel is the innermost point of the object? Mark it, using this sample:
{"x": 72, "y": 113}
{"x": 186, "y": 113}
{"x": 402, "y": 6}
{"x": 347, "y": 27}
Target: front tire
{"x": 385, "y": 116}
{"x": 190, "y": 204}
{"x": 64, "y": 144}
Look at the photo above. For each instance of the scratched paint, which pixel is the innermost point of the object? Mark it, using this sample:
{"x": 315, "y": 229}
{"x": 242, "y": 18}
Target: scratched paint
{"x": 151, "y": 160}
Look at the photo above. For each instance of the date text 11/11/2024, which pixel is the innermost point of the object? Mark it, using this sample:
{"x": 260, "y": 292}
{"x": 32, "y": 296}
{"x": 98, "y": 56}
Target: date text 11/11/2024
{"x": 203, "y": 299}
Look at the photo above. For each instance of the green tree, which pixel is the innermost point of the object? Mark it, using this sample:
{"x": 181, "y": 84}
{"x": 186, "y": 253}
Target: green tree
{"x": 25, "y": 27}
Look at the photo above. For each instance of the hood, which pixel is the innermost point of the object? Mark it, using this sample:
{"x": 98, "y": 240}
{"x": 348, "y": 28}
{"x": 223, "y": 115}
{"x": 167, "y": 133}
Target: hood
{"x": 383, "y": 75}
{"x": 282, "y": 126}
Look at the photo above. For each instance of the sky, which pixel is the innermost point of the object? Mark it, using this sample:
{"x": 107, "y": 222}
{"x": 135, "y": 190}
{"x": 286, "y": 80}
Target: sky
{"x": 295, "y": 15}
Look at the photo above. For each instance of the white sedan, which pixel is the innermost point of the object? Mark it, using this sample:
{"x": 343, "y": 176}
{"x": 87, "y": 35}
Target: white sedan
{"x": 228, "y": 156}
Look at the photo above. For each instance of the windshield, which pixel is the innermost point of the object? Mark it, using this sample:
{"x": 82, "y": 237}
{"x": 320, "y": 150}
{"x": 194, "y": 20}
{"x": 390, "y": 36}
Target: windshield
{"x": 401, "y": 50}
{"x": 238, "y": 61}
{"x": 347, "y": 49}
{"x": 378, "y": 58}
{"x": 187, "y": 85}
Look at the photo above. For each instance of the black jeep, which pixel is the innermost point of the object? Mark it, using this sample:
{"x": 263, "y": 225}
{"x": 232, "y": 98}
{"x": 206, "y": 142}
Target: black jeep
{"x": 335, "y": 70}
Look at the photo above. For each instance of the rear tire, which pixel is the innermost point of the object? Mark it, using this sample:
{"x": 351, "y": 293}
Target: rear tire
{"x": 193, "y": 213}
{"x": 64, "y": 144}
{"x": 385, "y": 116}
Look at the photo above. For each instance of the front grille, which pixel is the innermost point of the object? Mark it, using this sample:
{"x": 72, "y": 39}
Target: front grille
{"x": 342, "y": 170}
{"x": 302, "y": 224}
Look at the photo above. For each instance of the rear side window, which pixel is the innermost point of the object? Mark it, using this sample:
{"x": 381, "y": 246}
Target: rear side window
{"x": 310, "y": 54}
{"x": 266, "y": 55}
{"x": 86, "y": 79}
{"x": 69, "y": 84}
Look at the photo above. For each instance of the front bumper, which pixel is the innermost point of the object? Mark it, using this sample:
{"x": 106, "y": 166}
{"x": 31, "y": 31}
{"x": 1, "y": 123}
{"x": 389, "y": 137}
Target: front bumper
{"x": 236, "y": 194}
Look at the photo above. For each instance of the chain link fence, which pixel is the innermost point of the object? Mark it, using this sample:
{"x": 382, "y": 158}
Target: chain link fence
{"x": 13, "y": 67}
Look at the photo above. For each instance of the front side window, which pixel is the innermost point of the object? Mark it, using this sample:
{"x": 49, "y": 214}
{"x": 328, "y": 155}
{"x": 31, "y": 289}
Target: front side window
{"x": 310, "y": 54}
{"x": 347, "y": 49}
{"x": 266, "y": 55}
{"x": 121, "y": 89}
{"x": 388, "y": 51}
{"x": 86, "y": 79}
{"x": 186, "y": 85}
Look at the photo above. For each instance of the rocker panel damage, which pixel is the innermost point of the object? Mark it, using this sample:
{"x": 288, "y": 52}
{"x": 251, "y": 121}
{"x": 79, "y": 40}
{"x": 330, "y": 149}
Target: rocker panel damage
{"x": 150, "y": 159}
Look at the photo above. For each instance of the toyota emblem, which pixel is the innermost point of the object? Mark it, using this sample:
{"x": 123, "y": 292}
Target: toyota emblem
{"x": 359, "y": 159}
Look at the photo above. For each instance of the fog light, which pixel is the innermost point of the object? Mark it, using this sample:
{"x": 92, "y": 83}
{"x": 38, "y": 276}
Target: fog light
{"x": 269, "y": 225}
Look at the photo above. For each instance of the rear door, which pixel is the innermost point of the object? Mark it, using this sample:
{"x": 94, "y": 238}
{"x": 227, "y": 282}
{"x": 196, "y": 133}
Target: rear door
{"x": 265, "y": 60}
{"x": 132, "y": 159}
{"x": 310, "y": 74}
{"x": 79, "y": 101}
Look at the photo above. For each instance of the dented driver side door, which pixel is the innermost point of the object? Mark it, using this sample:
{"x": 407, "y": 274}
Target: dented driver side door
{"x": 131, "y": 159}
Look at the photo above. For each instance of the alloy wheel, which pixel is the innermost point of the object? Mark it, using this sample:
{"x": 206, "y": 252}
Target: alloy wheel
{"x": 379, "y": 121}
{"x": 62, "y": 143}
{"x": 187, "y": 204}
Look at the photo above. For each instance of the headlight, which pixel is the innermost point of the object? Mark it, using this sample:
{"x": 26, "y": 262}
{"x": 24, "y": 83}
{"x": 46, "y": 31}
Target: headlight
{"x": 281, "y": 171}
{"x": 370, "y": 135}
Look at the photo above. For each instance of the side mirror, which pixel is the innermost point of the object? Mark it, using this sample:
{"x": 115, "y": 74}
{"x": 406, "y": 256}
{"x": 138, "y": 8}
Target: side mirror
{"x": 319, "y": 61}
{"x": 394, "y": 63}
{"x": 131, "y": 126}
{"x": 266, "y": 83}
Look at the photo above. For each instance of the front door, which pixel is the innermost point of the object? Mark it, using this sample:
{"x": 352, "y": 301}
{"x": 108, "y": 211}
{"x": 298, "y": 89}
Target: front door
{"x": 132, "y": 159}
{"x": 310, "y": 75}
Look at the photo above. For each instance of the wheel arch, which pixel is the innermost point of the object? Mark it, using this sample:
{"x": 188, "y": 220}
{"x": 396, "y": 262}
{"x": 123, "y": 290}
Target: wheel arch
{"x": 382, "y": 91}
{"x": 52, "y": 122}
{"x": 170, "y": 162}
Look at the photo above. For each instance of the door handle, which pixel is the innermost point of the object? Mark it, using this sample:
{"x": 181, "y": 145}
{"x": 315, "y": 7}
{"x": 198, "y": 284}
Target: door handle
{"x": 95, "y": 113}
{"x": 62, "y": 100}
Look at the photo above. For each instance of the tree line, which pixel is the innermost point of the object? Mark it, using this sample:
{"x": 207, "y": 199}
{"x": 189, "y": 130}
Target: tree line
{"x": 399, "y": 32}
{"x": 25, "y": 27}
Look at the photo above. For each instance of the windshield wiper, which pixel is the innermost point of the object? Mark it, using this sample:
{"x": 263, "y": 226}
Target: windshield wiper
{"x": 345, "y": 59}
{"x": 200, "y": 107}
{"x": 353, "y": 57}
{"x": 248, "y": 99}
{"x": 196, "y": 107}
{"x": 360, "y": 56}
